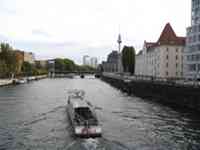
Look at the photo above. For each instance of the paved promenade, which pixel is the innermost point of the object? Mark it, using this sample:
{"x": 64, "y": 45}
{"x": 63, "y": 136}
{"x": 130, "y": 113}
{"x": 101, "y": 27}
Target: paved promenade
{"x": 5, "y": 82}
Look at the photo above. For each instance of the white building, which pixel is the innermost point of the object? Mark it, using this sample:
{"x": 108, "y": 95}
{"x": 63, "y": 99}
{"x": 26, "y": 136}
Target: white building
{"x": 139, "y": 68}
{"x": 93, "y": 62}
{"x": 86, "y": 60}
{"x": 163, "y": 58}
{"x": 192, "y": 52}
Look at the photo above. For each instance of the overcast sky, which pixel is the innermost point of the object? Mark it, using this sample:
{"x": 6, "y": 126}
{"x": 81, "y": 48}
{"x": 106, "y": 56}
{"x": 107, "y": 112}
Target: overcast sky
{"x": 73, "y": 28}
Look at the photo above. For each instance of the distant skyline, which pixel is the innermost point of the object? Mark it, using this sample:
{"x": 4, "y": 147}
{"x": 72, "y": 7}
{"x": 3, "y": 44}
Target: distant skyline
{"x": 74, "y": 28}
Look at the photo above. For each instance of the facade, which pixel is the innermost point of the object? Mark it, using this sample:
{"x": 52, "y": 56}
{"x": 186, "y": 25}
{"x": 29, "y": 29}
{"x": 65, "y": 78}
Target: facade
{"x": 90, "y": 61}
{"x": 192, "y": 51}
{"x": 93, "y": 62}
{"x": 26, "y": 56}
{"x": 29, "y": 57}
{"x": 111, "y": 65}
{"x": 139, "y": 68}
{"x": 163, "y": 58}
{"x": 20, "y": 58}
{"x": 86, "y": 60}
{"x": 41, "y": 63}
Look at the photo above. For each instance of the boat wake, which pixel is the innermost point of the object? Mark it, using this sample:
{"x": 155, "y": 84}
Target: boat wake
{"x": 96, "y": 144}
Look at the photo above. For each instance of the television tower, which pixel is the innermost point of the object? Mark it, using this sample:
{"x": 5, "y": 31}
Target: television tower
{"x": 119, "y": 41}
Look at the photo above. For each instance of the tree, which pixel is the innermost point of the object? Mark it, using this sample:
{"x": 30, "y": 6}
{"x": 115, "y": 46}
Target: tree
{"x": 3, "y": 69}
{"x": 8, "y": 56}
{"x": 128, "y": 59}
{"x": 64, "y": 65}
{"x": 27, "y": 68}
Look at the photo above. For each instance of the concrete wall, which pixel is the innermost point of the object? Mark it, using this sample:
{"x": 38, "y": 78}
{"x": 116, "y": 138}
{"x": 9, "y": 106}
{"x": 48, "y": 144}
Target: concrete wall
{"x": 188, "y": 97}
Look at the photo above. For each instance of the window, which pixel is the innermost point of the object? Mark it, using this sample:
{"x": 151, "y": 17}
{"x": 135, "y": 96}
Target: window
{"x": 193, "y": 57}
{"x": 167, "y": 65}
{"x": 176, "y": 57}
{"x": 176, "y": 73}
{"x": 177, "y": 50}
{"x": 188, "y": 58}
{"x": 194, "y": 29}
{"x": 190, "y": 39}
{"x": 167, "y": 57}
{"x": 192, "y": 67}
{"x": 166, "y": 73}
{"x": 199, "y": 28}
{"x": 194, "y": 38}
{"x": 176, "y": 65}
{"x": 167, "y": 49}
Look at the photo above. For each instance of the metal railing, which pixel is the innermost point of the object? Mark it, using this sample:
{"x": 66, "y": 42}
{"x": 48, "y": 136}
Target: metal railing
{"x": 152, "y": 79}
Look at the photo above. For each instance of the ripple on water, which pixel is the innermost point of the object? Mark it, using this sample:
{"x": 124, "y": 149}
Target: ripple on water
{"x": 96, "y": 144}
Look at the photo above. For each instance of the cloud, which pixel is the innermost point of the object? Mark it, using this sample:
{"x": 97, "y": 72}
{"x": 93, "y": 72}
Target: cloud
{"x": 7, "y": 7}
{"x": 3, "y": 38}
{"x": 90, "y": 27}
{"x": 66, "y": 49}
{"x": 39, "y": 32}
{"x": 7, "y": 11}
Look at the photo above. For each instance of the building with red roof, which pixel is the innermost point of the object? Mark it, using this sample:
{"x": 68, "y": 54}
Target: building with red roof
{"x": 163, "y": 58}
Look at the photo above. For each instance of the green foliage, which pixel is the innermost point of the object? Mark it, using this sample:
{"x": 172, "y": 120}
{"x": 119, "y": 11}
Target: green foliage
{"x": 85, "y": 68}
{"x": 3, "y": 69}
{"x": 8, "y": 60}
{"x": 128, "y": 59}
{"x": 69, "y": 65}
{"x": 64, "y": 65}
{"x": 11, "y": 64}
{"x": 28, "y": 69}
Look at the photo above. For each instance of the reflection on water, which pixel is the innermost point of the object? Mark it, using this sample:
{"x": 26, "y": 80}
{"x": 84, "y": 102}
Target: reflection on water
{"x": 33, "y": 116}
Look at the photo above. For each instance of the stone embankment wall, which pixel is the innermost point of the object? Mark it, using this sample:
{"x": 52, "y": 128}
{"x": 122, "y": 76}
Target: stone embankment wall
{"x": 5, "y": 82}
{"x": 183, "y": 96}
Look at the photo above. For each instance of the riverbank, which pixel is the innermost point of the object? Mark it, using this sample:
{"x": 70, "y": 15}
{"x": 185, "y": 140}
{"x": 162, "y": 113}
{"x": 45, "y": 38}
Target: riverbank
{"x": 173, "y": 94}
{"x": 5, "y": 82}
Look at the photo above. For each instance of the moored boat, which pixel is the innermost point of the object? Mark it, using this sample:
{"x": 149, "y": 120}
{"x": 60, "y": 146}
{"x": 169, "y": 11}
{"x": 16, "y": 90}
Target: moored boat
{"x": 20, "y": 81}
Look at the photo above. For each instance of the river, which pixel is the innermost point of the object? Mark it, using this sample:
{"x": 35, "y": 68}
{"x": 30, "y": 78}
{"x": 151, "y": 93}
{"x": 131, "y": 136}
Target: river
{"x": 33, "y": 116}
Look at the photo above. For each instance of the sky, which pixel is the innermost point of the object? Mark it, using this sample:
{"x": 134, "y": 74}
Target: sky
{"x": 73, "y": 28}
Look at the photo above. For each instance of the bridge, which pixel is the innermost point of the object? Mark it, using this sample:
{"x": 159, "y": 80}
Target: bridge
{"x": 71, "y": 73}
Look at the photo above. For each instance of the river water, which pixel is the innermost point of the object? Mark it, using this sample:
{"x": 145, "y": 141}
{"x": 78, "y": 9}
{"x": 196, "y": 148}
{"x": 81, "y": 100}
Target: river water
{"x": 33, "y": 116}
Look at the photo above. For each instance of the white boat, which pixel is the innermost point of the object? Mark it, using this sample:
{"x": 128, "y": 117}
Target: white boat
{"x": 82, "y": 116}
{"x": 70, "y": 75}
{"x": 20, "y": 81}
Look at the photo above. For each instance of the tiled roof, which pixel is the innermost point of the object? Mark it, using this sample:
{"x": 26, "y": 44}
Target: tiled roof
{"x": 150, "y": 44}
{"x": 167, "y": 37}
